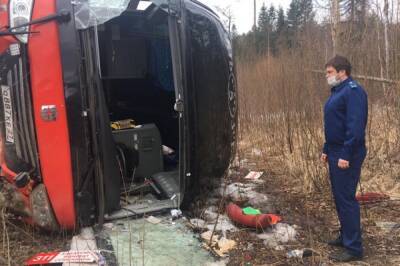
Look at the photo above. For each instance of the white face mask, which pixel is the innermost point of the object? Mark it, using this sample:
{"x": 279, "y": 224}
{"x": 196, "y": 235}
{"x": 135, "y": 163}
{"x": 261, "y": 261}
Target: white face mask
{"x": 332, "y": 81}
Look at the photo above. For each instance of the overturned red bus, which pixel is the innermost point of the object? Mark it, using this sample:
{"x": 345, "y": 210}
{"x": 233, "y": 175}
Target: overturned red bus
{"x": 113, "y": 109}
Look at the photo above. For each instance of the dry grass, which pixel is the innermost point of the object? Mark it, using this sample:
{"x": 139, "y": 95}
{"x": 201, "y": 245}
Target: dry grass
{"x": 281, "y": 132}
{"x": 21, "y": 241}
{"x": 281, "y": 116}
{"x": 315, "y": 218}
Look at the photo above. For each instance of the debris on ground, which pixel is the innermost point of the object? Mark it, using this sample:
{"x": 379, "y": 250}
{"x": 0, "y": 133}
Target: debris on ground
{"x": 158, "y": 244}
{"x": 175, "y": 213}
{"x": 210, "y": 216}
{"x": 217, "y": 263}
{"x": 223, "y": 225}
{"x": 83, "y": 248}
{"x": 279, "y": 247}
{"x": 245, "y": 193}
{"x": 108, "y": 225}
{"x": 260, "y": 201}
{"x": 224, "y": 245}
{"x": 388, "y": 226}
{"x": 206, "y": 236}
{"x": 198, "y": 223}
{"x": 240, "y": 245}
{"x": 260, "y": 221}
{"x": 252, "y": 175}
{"x": 153, "y": 220}
{"x": 84, "y": 241}
{"x": 219, "y": 246}
{"x": 256, "y": 152}
{"x": 251, "y": 211}
{"x": 72, "y": 257}
{"x": 281, "y": 233}
{"x": 299, "y": 253}
{"x": 236, "y": 191}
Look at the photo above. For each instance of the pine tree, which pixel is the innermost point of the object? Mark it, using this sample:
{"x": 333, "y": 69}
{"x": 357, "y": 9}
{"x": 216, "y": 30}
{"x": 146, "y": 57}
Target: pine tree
{"x": 280, "y": 21}
{"x": 293, "y": 23}
{"x": 267, "y": 18}
{"x": 263, "y": 19}
{"x": 235, "y": 37}
{"x": 281, "y": 39}
{"x": 272, "y": 18}
{"x": 299, "y": 15}
{"x": 293, "y": 15}
{"x": 265, "y": 35}
{"x": 355, "y": 10}
{"x": 306, "y": 12}
{"x": 234, "y": 32}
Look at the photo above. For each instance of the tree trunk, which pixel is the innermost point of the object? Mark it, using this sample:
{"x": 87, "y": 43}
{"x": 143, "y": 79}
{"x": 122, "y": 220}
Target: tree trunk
{"x": 255, "y": 15}
{"x": 335, "y": 20}
{"x": 386, "y": 37}
{"x": 352, "y": 11}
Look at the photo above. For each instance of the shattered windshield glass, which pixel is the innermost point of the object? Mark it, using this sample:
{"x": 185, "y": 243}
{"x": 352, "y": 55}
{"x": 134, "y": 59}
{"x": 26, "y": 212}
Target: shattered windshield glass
{"x": 89, "y": 13}
{"x": 94, "y": 12}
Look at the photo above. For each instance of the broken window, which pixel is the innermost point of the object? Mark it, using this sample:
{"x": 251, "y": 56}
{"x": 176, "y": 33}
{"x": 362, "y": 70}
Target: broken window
{"x": 94, "y": 12}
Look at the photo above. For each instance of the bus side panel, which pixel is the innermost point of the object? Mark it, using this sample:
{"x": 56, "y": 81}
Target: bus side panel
{"x": 4, "y": 41}
{"x": 52, "y": 136}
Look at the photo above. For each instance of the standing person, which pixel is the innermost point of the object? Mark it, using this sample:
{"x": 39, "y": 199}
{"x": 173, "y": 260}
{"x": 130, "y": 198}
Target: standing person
{"x": 345, "y": 120}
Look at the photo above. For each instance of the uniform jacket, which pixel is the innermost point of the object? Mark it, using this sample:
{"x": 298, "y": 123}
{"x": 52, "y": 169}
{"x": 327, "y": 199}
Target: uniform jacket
{"x": 345, "y": 119}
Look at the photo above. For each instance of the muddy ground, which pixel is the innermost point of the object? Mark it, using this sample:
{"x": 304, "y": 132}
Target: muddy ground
{"x": 312, "y": 214}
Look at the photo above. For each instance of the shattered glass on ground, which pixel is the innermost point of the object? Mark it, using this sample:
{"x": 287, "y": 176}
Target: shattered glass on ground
{"x": 139, "y": 242}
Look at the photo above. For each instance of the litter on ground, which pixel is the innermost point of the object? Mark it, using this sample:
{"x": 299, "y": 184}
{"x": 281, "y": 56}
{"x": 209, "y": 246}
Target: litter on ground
{"x": 72, "y": 257}
{"x": 299, "y": 253}
{"x": 251, "y": 211}
{"x": 281, "y": 233}
{"x": 260, "y": 221}
{"x": 388, "y": 226}
{"x": 153, "y": 220}
{"x": 219, "y": 246}
{"x": 253, "y": 175}
{"x": 197, "y": 223}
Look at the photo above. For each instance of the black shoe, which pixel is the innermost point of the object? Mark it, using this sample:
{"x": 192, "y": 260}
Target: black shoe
{"x": 336, "y": 243}
{"x": 344, "y": 256}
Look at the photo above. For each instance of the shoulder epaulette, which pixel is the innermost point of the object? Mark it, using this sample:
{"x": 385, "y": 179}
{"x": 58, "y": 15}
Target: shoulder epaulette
{"x": 353, "y": 84}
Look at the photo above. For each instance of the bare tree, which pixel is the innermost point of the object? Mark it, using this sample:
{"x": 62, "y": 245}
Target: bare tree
{"x": 255, "y": 14}
{"x": 335, "y": 23}
{"x": 386, "y": 37}
{"x": 229, "y": 18}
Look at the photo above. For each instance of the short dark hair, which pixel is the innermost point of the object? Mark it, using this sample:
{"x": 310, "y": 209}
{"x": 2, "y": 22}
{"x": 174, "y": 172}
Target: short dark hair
{"x": 340, "y": 63}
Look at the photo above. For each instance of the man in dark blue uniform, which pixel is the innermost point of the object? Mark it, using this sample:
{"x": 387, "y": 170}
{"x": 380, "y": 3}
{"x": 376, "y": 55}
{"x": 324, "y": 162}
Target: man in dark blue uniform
{"x": 345, "y": 119}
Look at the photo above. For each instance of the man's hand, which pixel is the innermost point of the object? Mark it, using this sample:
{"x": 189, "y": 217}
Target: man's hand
{"x": 324, "y": 158}
{"x": 343, "y": 164}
